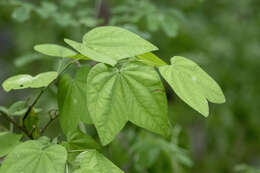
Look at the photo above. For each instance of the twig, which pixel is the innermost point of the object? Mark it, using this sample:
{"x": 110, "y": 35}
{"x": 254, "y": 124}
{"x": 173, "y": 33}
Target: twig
{"x": 43, "y": 90}
{"x": 16, "y": 124}
{"x": 52, "y": 118}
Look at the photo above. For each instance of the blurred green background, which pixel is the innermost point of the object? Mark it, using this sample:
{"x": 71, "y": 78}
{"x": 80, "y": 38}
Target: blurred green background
{"x": 222, "y": 36}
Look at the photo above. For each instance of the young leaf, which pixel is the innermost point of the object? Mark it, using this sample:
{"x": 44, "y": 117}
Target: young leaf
{"x": 132, "y": 92}
{"x": 8, "y": 141}
{"x": 72, "y": 100}
{"x": 34, "y": 156}
{"x": 94, "y": 55}
{"x": 78, "y": 142}
{"x": 192, "y": 84}
{"x": 54, "y": 50}
{"x": 151, "y": 59}
{"x": 93, "y": 161}
{"x": 109, "y": 44}
{"x": 26, "y": 81}
{"x": 18, "y": 108}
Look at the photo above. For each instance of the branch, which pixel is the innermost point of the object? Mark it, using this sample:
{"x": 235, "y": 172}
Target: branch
{"x": 43, "y": 90}
{"x": 52, "y": 118}
{"x": 16, "y": 124}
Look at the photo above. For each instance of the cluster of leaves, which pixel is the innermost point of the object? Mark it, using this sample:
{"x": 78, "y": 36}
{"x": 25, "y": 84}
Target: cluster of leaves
{"x": 57, "y": 12}
{"x": 123, "y": 86}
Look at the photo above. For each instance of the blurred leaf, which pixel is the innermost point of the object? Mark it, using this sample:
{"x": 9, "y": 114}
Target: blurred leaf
{"x": 18, "y": 108}
{"x": 8, "y": 141}
{"x": 93, "y": 161}
{"x": 21, "y": 14}
{"x": 26, "y": 59}
{"x": 26, "y": 81}
{"x": 118, "y": 94}
{"x": 33, "y": 156}
{"x": 47, "y": 9}
{"x": 192, "y": 84}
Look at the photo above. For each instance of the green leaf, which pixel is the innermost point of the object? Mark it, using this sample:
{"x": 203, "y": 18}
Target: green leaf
{"x": 78, "y": 142}
{"x": 93, "y": 162}
{"x": 170, "y": 26}
{"x": 8, "y": 141}
{"x": 192, "y": 84}
{"x": 26, "y": 81}
{"x": 109, "y": 44}
{"x": 94, "y": 55}
{"x": 131, "y": 92}
{"x": 151, "y": 59}
{"x": 21, "y": 14}
{"x": 35, "y": 157}
{"x": 54, "y": 50}
{"x": 72, "y": 100}
{"x": 18, "y": 108}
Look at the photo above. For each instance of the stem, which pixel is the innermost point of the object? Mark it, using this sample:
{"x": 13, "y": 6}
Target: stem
{"x": 48, "y": 124}
{"x": 16, "y": 124}
{"x": 42, "y": 91}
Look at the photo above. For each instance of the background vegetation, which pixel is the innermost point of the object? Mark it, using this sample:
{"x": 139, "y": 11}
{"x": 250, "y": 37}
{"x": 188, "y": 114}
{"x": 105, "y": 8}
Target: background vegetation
{"x": 222, "y": 36}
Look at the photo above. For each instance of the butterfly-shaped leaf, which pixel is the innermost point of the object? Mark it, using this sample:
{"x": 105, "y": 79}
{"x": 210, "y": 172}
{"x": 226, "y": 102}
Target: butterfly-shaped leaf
{"x": 132, "y": 92}
{"x": 27, "y": 81}
{"x": 192, "y": 84}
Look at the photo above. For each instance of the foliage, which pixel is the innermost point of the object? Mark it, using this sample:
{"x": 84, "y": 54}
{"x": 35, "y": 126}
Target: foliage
{"x": 119, "y": 88}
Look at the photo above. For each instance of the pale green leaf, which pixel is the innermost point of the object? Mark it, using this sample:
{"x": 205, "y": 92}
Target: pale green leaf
{"x": 151, "y": 59}
{"x": 109, "y": 44}
{"x": 8, "y": 141}
{"x": 54, "y": 50}
{"x": 78, "y": 142}
{"x": 131, "y": 92}
{"x": 26, "y": 81}
{"x": 35, "y": 157}
{"x": 21, "y": 14}
{"x": 93, "y": 162}
{"x": 18, "y": 108}
{"x": 72, "y": 100}
{"x": 192, "y": 84}
{"x": 94, "y": 55}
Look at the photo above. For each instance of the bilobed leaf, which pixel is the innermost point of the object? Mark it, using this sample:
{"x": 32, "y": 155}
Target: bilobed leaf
{"x": 93, "y": 162}
{"x": 192, "y": 84}
{"x": 35, "y": 157}
{"x": 8, "y": 141}
{"x": 26, "y": 81}
{"x": 72, "y": 100}
{"x": 132, "y": 92}
{"x": 151, "y": 59}
{"x": 109, "y": 44}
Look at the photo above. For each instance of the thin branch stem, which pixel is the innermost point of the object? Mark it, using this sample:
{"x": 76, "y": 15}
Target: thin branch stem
{"x": 48, "y": 124}
{"x": 43, "y": 90}
{"x": 16, "y": 124}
